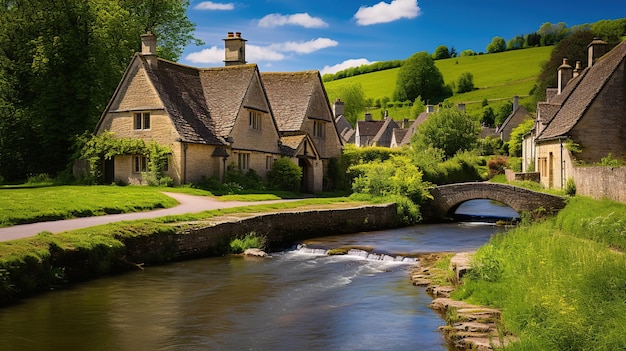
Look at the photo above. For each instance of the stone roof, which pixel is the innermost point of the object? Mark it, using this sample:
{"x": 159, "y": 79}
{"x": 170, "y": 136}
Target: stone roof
{"x": 180, "y": 90}
{"x": 290, "y": 96}
{"x": 345, "y": 128}
{"x": 399, "y": 134}
{"x": 578, "y": 97}
{"x": 383, "y": 137}
{"x": 413, "y": 128}
{"x": 369, "y": 128}
{"x": 290, "y": 146}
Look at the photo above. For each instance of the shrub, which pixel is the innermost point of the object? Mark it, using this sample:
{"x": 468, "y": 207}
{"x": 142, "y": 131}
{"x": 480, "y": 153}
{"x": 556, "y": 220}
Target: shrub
{"x": 41, "y": 178}
{"x": 243, "y": 180}
{"x": 249, "y": 241}
{"x": 570, "y": 187}
{"x": 496, "y": 165}
{"x": 285, "y": 175}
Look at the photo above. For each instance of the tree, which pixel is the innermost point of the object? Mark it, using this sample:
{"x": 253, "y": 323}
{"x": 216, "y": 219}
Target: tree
{"x": 516, "y": 43}
{"x": 353, "y": 96}
{"x": 488, "y": 118}
{"x": 63, "y": 60}
{"x": 441, "y": 52}
{"x": 574, "y": 48}
{"x": 465, "y": 83}
{"x": 497, "y": 45}
{"x": 417, "y": 108}
{"x": 517, "y": 136}
{"x": 285, "y": 175}
{"x": 450, "y": 130}
{"x": 504, "y": 111}
{"x": 467, "y": 52}
{"x": 419, "y": 76}
{"x": 532, "y": 40}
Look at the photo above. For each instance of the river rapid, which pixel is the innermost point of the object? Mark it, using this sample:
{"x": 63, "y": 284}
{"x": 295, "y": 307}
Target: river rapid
{"x": 299, "y": 299}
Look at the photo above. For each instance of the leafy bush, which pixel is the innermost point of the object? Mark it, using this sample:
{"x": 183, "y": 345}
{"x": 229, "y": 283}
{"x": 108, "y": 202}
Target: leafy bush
{"x": 249, "y": 241}
{"x": 570, "y": 187}
{"x": 239, "y": 179}
{"x": 496, "y": 165}
{"x": 285, "y": 175}
{"x": 42, "y": 178}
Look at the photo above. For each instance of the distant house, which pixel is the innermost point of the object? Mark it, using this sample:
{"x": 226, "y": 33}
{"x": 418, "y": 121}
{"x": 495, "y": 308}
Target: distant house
{"x": 412, "y": 129}
{"x": 374, "y": 133}
{"x": 212, "y": 118}
{"x": 345, "y": 129}
{"x": 586, "y": 110}
{"x": 517, "y": 116}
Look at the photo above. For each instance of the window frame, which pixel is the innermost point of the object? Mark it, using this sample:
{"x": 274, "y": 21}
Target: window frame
{"x": 243, "y": 161}
{"x": 254, "y": 119}
{"x": 141, "y": 121}
{"x": 140, "y": 164}
{"x": 319, "y": 129}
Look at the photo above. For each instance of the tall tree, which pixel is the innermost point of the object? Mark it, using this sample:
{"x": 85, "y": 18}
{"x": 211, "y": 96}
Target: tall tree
{"x": 497, "y": 45}
{"x": 419, "y": 76}
{"x": 62, "y": 60}
{"x": 450, "y": 130}
{"x": 441, "y": 52}
{"x": 354, "y": 99}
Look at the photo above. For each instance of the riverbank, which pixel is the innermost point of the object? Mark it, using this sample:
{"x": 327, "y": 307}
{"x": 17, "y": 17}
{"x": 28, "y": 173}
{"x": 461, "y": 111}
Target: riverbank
{"x": 560, "y": 284}
{"x": 48, "y": 261}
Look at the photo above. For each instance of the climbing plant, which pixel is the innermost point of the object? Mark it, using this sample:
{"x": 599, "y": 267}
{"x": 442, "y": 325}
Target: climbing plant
{"x": 95, "y": 149}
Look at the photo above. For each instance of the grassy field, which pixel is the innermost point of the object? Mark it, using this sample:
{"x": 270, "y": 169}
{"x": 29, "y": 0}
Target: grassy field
{"x": 497, "y": 77}
{"x": 561, "y": 284}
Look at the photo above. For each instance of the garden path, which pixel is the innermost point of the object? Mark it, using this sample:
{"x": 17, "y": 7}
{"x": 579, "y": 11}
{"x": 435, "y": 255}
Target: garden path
{"x": 187, "y": 204}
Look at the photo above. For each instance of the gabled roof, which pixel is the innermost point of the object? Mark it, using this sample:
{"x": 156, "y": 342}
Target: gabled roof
{"x": 225, "y": 89}
{"x": 383, "y": 137}
{"x": 369, "y": 128}
{"x": 515, "y": 118}
{"x": 413, "y": 128}
{"x": 290, "y": 95}
{"x": 180, "y": 90}
{"x": 298, "y": 145}
{"x": 345, "y": 128}
{"x": 399, "y": 134}
{"x": 578, "y": 97}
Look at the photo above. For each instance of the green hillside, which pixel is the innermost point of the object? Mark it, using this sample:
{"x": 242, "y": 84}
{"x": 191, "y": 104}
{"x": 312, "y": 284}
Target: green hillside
{"x": 497, "y": 77}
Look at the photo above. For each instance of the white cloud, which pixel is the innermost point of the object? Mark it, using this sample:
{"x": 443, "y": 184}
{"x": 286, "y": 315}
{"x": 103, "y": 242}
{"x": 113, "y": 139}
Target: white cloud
{"x": 210, "y": 5}
{"x": 387, "y": 12}
{"x": 345, "y": 64}
{"x": 274, "y": 52}
{"x": 210, "y": 55}
{"x": 298, "y": 19}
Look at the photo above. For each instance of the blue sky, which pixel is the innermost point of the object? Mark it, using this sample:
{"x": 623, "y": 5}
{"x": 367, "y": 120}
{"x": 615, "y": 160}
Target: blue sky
{"x": 329, "y": 35}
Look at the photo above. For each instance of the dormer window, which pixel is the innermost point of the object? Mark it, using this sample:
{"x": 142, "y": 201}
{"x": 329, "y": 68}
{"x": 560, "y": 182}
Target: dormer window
{"x": 142, "y": 120}
{"x": 255, "y": 120}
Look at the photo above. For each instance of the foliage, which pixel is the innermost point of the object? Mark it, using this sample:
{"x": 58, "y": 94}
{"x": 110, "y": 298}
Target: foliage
{"x": 419, "y": 76}
{"x": 504, "y": 111}
{"x": 363, "y": 69}
{"x": 450, "y": 130}
{"x": 249, "y": 241}
{"x": 441, "y": 52}
{"x": 337, "y": 178}
{"x": 496, "y": 165}
{"x": 557, "y": 280}
{"x": 57, "y": 52}
{"x": 463, "y": 167}
{"x": 465, "y": 83}
{"x": 417, "y": 108}
{"x": 354, "y": 99}
{"x": 285, "y": 175}
{"x": 490, "y": 145}
{"x": 570, "y": 187}
{"x": 497, "y": 45}
{"x": 395, "y": 176}
{"x": 237, "y": 180}
{"x": 574, "y": 47}
{"x": 97, "y": 148}
{"x": 610, "y": 161}
{"x": 488, "y": 118}
{"x": 517, "y": 136}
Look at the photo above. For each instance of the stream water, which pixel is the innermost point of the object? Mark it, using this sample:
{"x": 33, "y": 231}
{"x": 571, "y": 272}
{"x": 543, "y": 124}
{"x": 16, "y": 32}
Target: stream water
{"x": 300, "y": 299}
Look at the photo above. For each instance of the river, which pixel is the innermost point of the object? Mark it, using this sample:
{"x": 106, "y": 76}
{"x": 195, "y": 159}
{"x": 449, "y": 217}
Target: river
{"x": 299, "y": 299}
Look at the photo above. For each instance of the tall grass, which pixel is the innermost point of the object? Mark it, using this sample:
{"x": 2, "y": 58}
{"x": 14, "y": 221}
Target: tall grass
{"x": 559, "y": 287}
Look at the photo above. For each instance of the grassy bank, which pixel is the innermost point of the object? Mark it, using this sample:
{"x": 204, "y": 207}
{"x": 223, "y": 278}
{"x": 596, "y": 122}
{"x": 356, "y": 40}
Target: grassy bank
{"x": 561, "y": 284}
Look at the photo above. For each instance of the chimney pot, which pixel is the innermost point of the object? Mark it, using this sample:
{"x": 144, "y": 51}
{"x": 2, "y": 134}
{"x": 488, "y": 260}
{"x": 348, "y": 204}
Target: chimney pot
{"x": 564, "y": 74}
{"x": 231, "y": 34}
{"x": 595, "y": 50}
{"x": 238, "y": 34}
{"x": 148, "y": 48}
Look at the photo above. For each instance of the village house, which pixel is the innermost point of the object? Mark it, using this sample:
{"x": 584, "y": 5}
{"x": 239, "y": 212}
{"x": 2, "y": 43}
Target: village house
{"x": 214, "y": 118}
{"x": 582, "y": 120}
{"x": 518, "y": 115}
{"x": 374, "y": 133}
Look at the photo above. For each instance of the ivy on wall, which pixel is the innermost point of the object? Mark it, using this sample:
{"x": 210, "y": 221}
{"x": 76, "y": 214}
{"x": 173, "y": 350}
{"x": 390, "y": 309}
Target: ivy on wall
{"x": 95, "y": 149}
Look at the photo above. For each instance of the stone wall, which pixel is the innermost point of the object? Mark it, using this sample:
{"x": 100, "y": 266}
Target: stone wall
{"x": 601, "y": 182}
{"x": 282, "y": 230}
{"x": 512, "y": 176}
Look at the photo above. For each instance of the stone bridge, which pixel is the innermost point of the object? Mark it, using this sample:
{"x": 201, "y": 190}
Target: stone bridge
{"x": 447, "y": 198}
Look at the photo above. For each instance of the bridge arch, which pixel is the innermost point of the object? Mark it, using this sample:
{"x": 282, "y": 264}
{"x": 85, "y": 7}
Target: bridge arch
{"x": 447, "y": 198}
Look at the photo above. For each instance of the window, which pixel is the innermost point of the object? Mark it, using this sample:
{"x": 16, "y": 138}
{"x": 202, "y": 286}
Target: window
{"x": 140, "y": 164}
{"x": 243, "y": 161}
{"x": 318, "y": 129}
{"x": 255, "y": 120}
{"x": 142, "y": 120}
{"x": 269, "y": 161}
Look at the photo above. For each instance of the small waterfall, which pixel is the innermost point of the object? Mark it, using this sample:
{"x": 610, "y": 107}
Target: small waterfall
{"x": 370, "y": 256}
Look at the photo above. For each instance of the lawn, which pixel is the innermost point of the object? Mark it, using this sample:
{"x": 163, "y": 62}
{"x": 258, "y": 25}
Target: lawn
{"x": 29, "y": 205}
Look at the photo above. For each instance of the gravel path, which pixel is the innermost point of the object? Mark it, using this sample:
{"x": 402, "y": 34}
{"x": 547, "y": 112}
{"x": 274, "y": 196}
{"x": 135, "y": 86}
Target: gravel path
{"x": 187, "y": 204}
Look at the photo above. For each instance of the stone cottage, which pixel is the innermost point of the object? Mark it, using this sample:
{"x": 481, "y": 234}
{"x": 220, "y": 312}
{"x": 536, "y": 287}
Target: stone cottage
{"x": 212, "y": 118}
{"x": 583, "y": 119}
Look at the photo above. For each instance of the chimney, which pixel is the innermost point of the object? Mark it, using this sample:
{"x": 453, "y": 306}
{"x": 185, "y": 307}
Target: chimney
{"x": 564, "y": 74}
{"x": 515, "y": 103}
{"x": 430, "y": 108}
{"x": 578, "y": 69}
{"x": 368, "y": 117}
{"x": 595, "y": 50}
{"x": 234, "y": 49}
{"x": 338, "y": 108}
{"x": 148, "y": 48}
